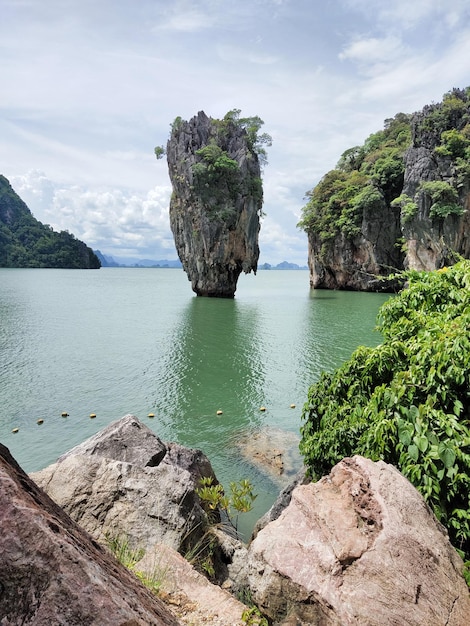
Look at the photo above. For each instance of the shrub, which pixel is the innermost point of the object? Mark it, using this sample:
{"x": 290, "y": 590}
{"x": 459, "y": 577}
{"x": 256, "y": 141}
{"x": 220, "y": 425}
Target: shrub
{"x": 444, "y": 199}
{"x": 406, "y": 401}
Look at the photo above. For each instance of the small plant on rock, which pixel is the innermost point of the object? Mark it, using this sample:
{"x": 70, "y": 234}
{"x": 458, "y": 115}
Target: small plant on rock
{"x": 129, "y": 557}
{"x": 213, "y": 497}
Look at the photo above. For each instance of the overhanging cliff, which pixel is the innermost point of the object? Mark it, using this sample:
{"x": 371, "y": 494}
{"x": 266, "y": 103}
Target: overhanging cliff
{"x": 216, "y": 203}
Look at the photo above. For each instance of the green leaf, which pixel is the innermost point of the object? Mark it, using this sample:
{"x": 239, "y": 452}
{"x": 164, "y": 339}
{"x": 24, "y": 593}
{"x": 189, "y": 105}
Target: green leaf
{"x": 446, "y": 454}
{"x": 404, "y": 432}
{"x": 422, "y": 442}
{"x": 413, "y": 452}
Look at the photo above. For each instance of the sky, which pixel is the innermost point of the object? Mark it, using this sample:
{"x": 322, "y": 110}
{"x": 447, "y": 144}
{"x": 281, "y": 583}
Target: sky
{"x": 88, "y": 88}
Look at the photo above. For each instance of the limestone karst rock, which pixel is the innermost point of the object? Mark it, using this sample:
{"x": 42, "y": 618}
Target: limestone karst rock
{"x": 358, "y": 547}
{"x": 53, "y": 572}
{"x": 431, "y": 242}
{"x": 124, "y": 481}
{"x": 399, "y": 201}
{"x": 216, "y": 202}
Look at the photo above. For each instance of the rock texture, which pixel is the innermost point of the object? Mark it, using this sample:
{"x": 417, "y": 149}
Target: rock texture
{"x": 216, "y": 203}
{"x": 53, "y": 572}
{"x": 358, "y": 547}
{"x": 190, "y": 595}
{"x": 126, "y": 482}
{"x": 433, "y": 243}
{"x": 361, "y": 263}
{"x": 388, "y": 240}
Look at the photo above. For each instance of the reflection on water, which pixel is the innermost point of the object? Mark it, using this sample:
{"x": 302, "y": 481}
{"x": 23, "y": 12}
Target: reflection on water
{"x": 136, "y": 341}
{"x": 213, "y": 363}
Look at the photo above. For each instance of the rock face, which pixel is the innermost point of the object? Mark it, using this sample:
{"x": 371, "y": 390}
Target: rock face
{"x": 216, "y": 202}
{"x": 53, "y": 572}
{"x": 433, "y": 243}
{"x": 191, "y": 596}
{"x": 395, "y": 225}
{"x": 358, "y": 547}
{"x": 125, "y": 482}
{"x": 357, "y": 263}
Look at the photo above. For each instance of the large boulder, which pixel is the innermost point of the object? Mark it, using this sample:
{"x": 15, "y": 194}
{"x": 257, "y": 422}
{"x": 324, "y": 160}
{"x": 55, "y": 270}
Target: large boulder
{"x": 125, "y": 482}
{"x": 192, "y": 598}
{"x": 216, "y": 202}
{"x": 53, "y": 572}
{"x": 360, "y": 546}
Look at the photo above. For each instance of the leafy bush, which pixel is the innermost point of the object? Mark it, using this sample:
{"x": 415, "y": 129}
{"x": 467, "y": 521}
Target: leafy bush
{"x": 409, "y": 208}
{"x": 406, "y": 401}
{"x": 364, "y": 179}
{"x": 444, "y": 199}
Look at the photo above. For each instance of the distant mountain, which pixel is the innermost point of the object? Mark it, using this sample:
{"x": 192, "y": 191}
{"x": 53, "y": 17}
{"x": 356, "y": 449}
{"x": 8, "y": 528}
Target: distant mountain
{"x": 26, "y": 242}
{"x": 109, "y": 261}
{"x": 285, "y": 265}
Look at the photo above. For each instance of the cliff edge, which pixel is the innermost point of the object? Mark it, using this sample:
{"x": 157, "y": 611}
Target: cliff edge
{"x": 399, "y": 201}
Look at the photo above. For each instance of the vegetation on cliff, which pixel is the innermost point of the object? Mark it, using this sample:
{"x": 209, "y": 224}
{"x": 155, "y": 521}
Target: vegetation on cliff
{"x": 365, "y": 175}
{"x": 216, "y": 204}
{"x": 417, "y": 167}
{"x": 407, "y": 400}
{"x": 26, "y": 242}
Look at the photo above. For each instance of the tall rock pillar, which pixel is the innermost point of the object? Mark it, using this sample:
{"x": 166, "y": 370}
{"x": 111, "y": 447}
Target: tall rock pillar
{"x": 216, "y": 203}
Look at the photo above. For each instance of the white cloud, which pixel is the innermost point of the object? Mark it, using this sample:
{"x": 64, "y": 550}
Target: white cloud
{"x": 372, "y": 50}
{"x": 89, "y": 88}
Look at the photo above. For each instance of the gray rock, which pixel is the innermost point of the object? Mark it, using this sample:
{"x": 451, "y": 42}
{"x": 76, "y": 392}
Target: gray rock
{"x": 358, "y": 547}
{"x": 364, "y": 261}
{"x": 125, "y": 439}
{"x": 215, "y": 225}
{"x": 53, "y": 572}
{"x": 112, "y": 486}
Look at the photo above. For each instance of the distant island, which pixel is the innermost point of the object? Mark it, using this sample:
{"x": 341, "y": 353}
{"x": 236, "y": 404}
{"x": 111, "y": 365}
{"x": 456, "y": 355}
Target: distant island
{"x": 109, "y": 261}
{"x": 26, "y": 242}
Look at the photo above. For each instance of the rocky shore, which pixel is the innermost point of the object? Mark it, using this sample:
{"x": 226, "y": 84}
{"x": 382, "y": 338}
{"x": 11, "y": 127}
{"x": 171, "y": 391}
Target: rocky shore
{"x": 359, "y": 547}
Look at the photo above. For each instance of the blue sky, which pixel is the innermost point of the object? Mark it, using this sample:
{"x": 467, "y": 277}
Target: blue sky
{"x": 90, "y": 87}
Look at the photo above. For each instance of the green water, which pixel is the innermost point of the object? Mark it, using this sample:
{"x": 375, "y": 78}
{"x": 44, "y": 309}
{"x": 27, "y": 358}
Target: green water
{"x": 118, "y": 341}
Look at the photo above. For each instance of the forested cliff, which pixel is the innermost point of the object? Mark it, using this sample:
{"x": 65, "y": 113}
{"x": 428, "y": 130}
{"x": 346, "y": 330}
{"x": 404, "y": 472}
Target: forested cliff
{"x": 399, "y": 201}
{"x": 26, "y": 242}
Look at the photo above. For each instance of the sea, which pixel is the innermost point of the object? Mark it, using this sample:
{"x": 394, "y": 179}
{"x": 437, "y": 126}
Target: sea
{"x": 82, "y": 348}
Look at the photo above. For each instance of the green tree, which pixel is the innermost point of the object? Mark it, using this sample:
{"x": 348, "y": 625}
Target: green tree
{"x": 406, "y": 401}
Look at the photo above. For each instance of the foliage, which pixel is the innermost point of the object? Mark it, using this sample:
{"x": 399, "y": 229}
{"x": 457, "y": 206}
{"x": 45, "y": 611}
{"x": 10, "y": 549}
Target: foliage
{"x": 253, "y": 617}
{"x": 333, "y": 207}
{"x": 409, "y": 208}
{"x": 444, "y": 199}
{"x": 452, "y": 112}
{"x": 213, "y": 497}
{"x": 129, "y": 557}
{"x": 217, "y": 180}
{"x": 252, "y": 125}
{"x": 26, "y": 242}
{"x": 159, "y": 152}
{"x": 203, "y": 553}
{"x": 407, "y": 401}
{"x": 365, "y": 178}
